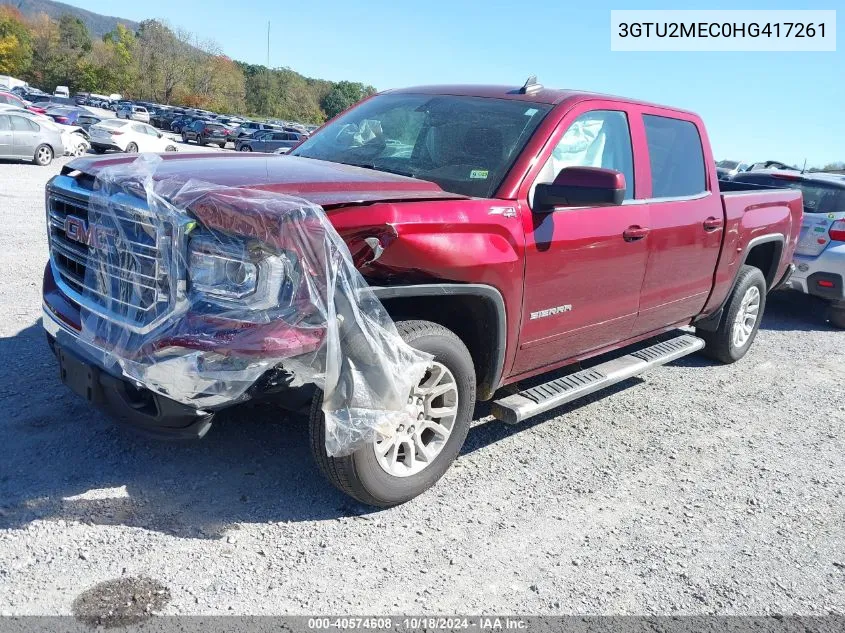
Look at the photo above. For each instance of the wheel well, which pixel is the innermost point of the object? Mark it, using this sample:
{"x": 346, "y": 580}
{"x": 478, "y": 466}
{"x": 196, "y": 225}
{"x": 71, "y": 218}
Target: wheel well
{"x": 473, "y": 318}
{"x": 766, "y": 257}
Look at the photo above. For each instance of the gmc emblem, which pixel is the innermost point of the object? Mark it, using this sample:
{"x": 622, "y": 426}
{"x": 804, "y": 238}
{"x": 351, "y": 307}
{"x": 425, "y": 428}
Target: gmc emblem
{"x": 94, "y": 236}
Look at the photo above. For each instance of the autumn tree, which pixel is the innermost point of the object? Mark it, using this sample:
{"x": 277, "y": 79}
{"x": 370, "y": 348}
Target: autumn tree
{"x": 15, "y": 44}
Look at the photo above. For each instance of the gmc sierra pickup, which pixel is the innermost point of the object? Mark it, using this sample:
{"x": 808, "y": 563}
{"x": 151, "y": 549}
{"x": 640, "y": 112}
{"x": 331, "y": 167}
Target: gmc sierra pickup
{"x": 508, "y": 232}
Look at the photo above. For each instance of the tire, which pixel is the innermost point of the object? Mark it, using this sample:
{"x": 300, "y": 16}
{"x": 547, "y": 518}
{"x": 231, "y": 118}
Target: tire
{"x": 132, "y": 148}
{"x": 222, "y": 145}
{"x": 184, "y": 137}
{"x": 80, "y": 150}
{"x": 245, "y": 148}
{"x": 170, "y": 148}
{"x": 836, "y": 315}
{"x": 726, "y": 344}
{"x": 360, "y": 475}
{"x": 43, "y": 155}
{"x": 200, "y": 140}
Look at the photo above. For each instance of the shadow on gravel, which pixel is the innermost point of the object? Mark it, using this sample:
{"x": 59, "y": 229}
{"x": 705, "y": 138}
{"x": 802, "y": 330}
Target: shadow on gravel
{"x": 794, "y": 311}
{"x": 63, "y": 460}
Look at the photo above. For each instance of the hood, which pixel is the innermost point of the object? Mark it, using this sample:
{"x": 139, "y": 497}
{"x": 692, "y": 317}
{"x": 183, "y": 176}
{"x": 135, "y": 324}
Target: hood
{"x": 320, "y": 182}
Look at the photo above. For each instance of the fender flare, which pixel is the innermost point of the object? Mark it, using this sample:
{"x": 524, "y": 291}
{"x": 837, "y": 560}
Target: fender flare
{"x": 490, "y": 294}
{"x": 711, "y": 322}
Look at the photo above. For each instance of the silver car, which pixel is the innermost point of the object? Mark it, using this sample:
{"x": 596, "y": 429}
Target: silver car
{"x": 134, "y": 113}
{"x": 269, "y": 142}
{"x": 820, "y": 254}
{"x": 23, "y": 138}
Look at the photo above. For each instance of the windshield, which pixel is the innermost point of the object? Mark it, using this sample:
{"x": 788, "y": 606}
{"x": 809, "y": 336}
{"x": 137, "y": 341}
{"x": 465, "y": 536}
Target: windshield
{"x": 464, "y": 144}
{"x": 727, "y": 164}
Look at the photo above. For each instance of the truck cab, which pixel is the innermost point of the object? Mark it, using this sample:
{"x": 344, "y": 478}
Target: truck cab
{"x": 507, "y": 231}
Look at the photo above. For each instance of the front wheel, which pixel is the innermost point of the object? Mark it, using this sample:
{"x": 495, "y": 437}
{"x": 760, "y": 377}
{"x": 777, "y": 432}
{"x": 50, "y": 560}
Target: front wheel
{"x": 245, "y": 148}
{"x": 393, "y": 470}
{"x": 741, "y": 320}
{"x": 132, "y": 148}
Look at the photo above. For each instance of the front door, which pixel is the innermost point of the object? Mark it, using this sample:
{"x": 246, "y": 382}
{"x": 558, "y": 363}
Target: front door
{"x": 582, "y": 275}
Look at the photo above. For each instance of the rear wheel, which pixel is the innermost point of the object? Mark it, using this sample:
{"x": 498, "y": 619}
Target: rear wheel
{"x": 393, "y": 470}
{"x": 43, "y": 155}
{"x": 80, "y": 150}
{"x": 741, "y": 319}
{"x": 132, "y": 148}
{"x": 200, "y": 140}
{"x": 184, "y": 137}
{"x": 170, "y": 148}
{"x": 222, "y": 145}
{"x": 246, "y": 148}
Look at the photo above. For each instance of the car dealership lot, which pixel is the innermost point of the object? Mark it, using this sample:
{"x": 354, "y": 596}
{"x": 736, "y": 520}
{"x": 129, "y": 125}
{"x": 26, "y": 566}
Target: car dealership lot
{"x": 699, "y": 488}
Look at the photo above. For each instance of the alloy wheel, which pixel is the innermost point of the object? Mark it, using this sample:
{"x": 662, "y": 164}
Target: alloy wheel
{"x": 433, "y": 405}
{"x": 746, "y": 317}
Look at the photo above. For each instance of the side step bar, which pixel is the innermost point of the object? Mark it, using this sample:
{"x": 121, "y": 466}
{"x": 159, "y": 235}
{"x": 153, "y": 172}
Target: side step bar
{"x": 520, "y": 406}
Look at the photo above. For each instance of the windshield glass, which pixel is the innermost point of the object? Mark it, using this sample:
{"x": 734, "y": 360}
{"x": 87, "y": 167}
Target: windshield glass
{"x": 727, "y": 164}
{"x": 464, "y": 144}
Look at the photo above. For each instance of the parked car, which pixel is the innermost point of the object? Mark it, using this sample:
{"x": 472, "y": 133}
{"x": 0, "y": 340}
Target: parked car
{"x": 771, "y": 164}
{"x": 61, "y": 91}
{"x": 178, "y": 124}
{"x": 537, "y": 192}
{"x": 128, "y": 136}
{"x": 66, "y": 115}
{"x": 134, "y": 113}
{"x": 249, "y": 127}
{"x": 727, "y": 169}
{"x": 205, "y": 132}
{"x": 23, "y": 138}
{"x": 820, "y": 254}
{"x": 268, "y": 142}
{"x": 9, "y": 98}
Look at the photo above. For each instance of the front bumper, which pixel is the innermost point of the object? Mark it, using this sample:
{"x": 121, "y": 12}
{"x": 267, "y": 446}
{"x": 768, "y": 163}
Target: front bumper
{"x": 95, "y": 375}
{"x": 149, "y": 412}
{"x": 823, "y": 275}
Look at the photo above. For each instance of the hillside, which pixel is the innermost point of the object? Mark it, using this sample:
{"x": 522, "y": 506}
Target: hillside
{"x": 97, "y": 24}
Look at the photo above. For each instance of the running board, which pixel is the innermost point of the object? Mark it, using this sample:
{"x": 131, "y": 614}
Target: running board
{"x": 520, "y": 406}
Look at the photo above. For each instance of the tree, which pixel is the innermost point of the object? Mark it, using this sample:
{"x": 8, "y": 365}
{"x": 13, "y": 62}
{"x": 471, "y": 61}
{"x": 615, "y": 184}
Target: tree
{"x": 73, "y": 43}
{"x": 44, "y": 34}
{"x": 15, "y": 44}
{"x": 343, "y": 95}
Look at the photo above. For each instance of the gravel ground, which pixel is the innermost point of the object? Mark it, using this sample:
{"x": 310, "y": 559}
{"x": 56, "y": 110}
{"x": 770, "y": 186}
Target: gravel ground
{"x": 696, "y": 489}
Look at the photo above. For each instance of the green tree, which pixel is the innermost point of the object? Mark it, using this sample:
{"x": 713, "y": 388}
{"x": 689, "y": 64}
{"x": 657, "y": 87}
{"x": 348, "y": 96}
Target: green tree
{"x": 343, "y": 95}
{"x": 15, "y": 42}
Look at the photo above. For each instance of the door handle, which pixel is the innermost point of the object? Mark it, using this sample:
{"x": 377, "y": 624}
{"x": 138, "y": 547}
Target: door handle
{"x": 711, "y": 223}
{"x": 634, "y": 233}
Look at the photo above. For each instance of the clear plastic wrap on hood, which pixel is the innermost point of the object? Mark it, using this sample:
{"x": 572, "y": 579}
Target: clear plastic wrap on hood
{"x": 196, "y": 291}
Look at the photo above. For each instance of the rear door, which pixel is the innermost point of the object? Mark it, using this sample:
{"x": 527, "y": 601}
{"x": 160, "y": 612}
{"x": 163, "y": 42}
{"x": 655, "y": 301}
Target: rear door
{"x": 5, "y": 136}
{"x": 582, "y": 276}
{"x": 26, "y": 136}
{"x": 686, "y": 221}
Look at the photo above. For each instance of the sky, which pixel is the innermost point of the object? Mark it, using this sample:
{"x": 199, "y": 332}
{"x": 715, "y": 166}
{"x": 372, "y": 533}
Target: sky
{"x": 757, "y": 106}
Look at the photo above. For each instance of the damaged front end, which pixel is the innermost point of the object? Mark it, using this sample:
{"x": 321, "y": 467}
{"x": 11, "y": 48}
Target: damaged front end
{"x": 204, "y": 295}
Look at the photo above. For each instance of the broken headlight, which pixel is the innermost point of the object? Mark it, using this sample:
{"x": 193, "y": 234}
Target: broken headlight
{"x": 235, "y": 274}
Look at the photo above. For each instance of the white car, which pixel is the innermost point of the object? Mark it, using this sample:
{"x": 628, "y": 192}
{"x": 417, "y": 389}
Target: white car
{"x": 128, "y": 136}
{"x": 133, "y": 112}
{"x": 820, "y": 253}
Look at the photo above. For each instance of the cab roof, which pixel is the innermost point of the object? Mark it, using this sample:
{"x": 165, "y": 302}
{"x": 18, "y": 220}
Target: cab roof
{"x": 539, "y": 94}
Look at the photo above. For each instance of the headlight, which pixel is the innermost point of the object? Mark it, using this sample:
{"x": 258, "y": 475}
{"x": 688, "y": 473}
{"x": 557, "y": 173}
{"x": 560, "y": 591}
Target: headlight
{"x": 233, "y": 274}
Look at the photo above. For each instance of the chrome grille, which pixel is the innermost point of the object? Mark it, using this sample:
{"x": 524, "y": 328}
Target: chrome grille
{"x": 130, "y": 281}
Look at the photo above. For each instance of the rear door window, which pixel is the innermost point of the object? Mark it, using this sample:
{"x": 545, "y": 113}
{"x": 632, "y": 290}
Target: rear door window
{"x": 676, "y": 157}
{"x": 20, "y": 124}
{"x": 5, "y": 124}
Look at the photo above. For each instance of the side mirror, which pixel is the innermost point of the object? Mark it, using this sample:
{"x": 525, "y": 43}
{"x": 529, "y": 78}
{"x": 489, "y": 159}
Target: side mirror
{"x": 160, "y": 135}
{"x": 581, "y": 187}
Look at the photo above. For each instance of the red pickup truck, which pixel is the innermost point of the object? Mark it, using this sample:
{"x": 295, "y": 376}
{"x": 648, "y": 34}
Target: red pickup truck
{"x": 508, "y": 232}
